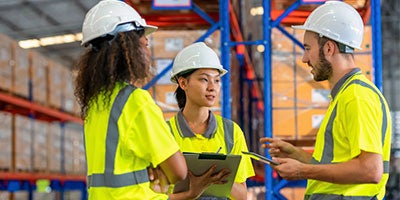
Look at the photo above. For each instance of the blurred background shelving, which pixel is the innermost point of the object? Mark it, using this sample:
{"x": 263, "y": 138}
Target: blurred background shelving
{"x": 40, "y": 126}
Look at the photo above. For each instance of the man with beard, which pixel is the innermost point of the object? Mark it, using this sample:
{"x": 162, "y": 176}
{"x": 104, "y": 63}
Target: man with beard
{"x": 352, "y": 149}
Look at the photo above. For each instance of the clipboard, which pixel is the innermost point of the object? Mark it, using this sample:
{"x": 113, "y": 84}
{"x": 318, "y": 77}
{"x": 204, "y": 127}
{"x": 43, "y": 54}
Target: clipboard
{"x": 199, "y": 163}
{"x": 261, "y": 158}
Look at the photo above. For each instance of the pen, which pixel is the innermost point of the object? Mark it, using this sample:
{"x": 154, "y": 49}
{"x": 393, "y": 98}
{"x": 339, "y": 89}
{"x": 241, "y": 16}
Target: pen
{"x": 219, "y": 149}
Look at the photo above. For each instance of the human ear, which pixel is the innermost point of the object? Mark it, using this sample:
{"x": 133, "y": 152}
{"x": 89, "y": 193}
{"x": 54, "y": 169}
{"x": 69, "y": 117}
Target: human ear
{"x": 182, "y": 82}
{"x": 330, "y": 48}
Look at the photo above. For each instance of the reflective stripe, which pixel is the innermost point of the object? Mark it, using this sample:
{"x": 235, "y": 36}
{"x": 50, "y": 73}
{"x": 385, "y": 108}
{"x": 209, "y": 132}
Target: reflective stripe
{"x": 228, "y": 134}
{"x": 118, "y": 180}
{"x": 386, "y": 166}
{"x": 170, "y": 127}
{"x": 327, "y": 155}
{"x": 337, "y": 197}
{"x": 211, "y": 198}
{"x": 108, "y": 178}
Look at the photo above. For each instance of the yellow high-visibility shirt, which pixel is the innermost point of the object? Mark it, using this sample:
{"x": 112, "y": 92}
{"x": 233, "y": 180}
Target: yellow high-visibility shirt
{"x": 213, "y": 139}
{"x": 358, "y": 119}
{"x": 142, "y": 139}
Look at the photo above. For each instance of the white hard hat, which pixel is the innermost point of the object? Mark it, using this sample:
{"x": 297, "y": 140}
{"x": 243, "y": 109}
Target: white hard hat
{"x": 105, "y": 16}
{"x": 196, "y": 56}
{"x": 338, "y": 21}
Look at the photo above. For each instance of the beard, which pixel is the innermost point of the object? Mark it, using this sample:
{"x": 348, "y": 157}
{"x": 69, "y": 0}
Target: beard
{"x": 323, "y": 70}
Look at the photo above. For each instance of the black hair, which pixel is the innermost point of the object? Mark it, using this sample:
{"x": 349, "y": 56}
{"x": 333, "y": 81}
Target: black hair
{"x": 180, "y": 94}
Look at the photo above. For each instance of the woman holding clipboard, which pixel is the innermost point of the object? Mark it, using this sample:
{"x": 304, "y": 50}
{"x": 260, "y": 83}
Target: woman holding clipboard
{"x": 197, "y": 70}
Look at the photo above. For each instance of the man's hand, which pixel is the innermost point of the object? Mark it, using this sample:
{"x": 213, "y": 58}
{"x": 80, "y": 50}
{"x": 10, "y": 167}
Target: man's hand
{"x": 278, "y": 148}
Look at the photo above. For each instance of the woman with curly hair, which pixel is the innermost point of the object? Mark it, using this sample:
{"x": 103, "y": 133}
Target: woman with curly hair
{"x": 125, "y": 132}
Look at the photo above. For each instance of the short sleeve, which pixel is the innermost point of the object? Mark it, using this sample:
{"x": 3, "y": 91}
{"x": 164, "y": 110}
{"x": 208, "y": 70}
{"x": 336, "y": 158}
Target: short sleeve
{"x": 245, "y": 169}
{"x": 151, "y": 137}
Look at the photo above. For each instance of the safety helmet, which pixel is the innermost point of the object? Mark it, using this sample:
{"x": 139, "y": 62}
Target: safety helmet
{"x": 338, "y": 21}
{"x": 105, "y": 17}
{"x": 195, "y": 56}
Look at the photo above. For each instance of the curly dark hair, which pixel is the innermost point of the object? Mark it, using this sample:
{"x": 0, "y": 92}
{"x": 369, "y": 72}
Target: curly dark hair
{"x": 107, "y": 62}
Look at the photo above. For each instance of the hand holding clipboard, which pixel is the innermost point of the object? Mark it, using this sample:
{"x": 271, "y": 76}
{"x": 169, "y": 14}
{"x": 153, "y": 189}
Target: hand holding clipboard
{"x": 260, "y": 158}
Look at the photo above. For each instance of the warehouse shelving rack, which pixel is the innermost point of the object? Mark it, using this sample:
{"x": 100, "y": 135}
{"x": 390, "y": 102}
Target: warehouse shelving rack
{"x": 14, "y": 181}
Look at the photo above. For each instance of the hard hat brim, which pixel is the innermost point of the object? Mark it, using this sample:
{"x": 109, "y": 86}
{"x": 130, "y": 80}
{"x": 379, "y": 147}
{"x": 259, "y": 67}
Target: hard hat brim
{"x": 222, "y": 72}
{"x": 149, "y": 29}
{"x": 300, "y": 27}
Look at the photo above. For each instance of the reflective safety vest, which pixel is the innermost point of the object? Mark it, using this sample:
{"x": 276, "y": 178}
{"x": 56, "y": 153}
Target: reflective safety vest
{"x": 122, "y": 139}
{"x": 333, "y": 143}
{"x": 226, "y": 123}
{"x": 221, "y": 134}
{"x": 108, "y": 178}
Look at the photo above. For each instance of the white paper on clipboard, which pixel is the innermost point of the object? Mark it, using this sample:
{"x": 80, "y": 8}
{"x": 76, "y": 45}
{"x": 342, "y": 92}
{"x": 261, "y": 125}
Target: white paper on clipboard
{"x": 199, "y": 163}
{"x": 261, "y": 158}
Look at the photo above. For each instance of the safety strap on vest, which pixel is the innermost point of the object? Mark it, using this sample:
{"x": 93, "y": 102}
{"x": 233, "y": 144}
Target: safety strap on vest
{"x": 108, "y": 178}
{"x": 228, "y": 133}
{"x": 327, "y": 154}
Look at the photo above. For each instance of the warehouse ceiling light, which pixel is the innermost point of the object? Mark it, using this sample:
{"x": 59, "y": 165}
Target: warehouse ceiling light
{"x": 260, "y": 48}
{"x": 257, "y": 11}
{"x": 52, "y": 40}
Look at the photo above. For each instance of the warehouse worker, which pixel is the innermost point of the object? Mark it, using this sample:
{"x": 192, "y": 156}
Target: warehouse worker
{"x": 198, "y": 72}
{"x": 125, "y": 132}
{"x": 352, "y": 149}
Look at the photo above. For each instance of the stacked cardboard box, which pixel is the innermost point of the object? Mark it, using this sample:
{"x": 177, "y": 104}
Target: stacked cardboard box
{"x": 40, "y": 150}
{"x": 23, "y": 143}
{"x": 54, "y": 146}
{"x": 74, "y": 149}
{"x": 6, "y": 63}
{"x": 20, "y": 71}
{"x": 38, "y": 76}
{"x": 5, "y": 140}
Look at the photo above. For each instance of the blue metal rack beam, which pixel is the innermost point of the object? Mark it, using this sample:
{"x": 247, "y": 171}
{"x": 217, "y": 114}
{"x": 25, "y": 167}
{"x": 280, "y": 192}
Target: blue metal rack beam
{"x": 267, "y": 55}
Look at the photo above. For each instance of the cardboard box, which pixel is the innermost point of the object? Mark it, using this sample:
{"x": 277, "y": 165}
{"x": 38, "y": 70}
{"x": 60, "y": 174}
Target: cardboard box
{"x": 74, "y": 151}
{"x": 54, "y": 146}
{"x": 5, "y": 141}
{"x": 296, "y": 123}
{"x": 38, "y": 77}
{"x": 68, "y": 98}
{"x": 23, "y": 143}
{"x": 166, "y": 44}
{"x": 55, "y": 84}
{"x": 40, "y": 151}
{"x": 20, "y": 81}
{"x": 6, "y": 63}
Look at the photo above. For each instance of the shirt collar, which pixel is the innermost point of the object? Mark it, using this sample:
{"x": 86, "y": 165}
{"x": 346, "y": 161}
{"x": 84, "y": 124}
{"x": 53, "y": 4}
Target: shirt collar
{"x": 185, "y": 130}
{"x": 341, "y": 82}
